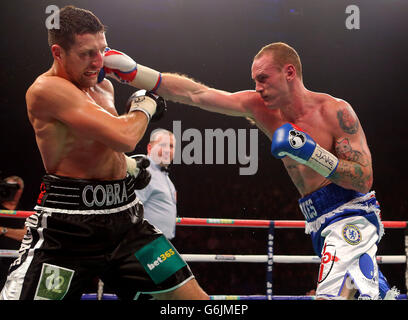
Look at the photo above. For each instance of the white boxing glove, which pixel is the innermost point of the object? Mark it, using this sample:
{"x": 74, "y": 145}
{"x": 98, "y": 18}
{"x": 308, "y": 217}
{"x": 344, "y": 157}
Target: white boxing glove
{"x": 123, "y": 68}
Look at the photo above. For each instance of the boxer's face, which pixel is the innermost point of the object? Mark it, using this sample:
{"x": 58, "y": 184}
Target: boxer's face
{"x": 84, "y": 59}
{"x": 162, "y": 149}
{"x": 270, "y": 81}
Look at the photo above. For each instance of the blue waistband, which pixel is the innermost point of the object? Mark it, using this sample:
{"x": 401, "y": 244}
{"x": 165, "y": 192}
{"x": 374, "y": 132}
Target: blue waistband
{"x": 334, "y": 203}
{"x": 325, "y": 200}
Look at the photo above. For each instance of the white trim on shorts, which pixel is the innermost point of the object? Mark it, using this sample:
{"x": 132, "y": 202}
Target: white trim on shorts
{"x": 355, "y": 204}
{"x": 165, "y": 290}
{"x": 14, "y": 284}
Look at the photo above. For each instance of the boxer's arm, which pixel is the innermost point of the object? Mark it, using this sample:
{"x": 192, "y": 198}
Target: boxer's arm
{"x": 354, "y": 170}
{"x": 16, "y": 234}
{"x": 178, "y": 88}
{"x": 184, "y": 90}
{"x": 54, "y": 98}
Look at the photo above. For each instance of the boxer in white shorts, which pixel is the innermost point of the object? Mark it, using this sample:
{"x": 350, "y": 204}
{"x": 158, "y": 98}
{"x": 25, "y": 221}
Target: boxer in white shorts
{"x": 318, "y": 137}
{"x": 345, "y": 227}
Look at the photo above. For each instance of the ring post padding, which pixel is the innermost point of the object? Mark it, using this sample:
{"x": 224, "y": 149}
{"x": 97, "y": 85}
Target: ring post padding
{"x": 269, "y": 264}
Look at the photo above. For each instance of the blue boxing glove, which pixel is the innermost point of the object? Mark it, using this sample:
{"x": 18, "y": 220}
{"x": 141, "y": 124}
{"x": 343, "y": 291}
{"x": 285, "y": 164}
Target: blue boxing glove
{"x": 290, "y": 140}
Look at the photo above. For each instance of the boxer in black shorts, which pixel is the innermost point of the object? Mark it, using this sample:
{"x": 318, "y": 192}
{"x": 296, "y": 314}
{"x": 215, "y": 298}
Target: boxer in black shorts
{"x": 86, "y": 229}
{"x": 88, "y": 221}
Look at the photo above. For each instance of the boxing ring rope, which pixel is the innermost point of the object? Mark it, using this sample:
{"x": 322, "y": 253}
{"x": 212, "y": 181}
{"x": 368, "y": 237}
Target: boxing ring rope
{"x": 210, "y": 222}
{"x": 15, "y": 214}
{"x": 394, "y": 259}
{"x": 269, "y": 258}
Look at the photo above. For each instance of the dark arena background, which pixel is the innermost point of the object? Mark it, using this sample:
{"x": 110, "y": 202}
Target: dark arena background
{"x": 214, "y": 42}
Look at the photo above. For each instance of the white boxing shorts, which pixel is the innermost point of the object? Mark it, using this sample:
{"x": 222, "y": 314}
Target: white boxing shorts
{"x": 345, "y": 227}
{"x": 349, "y": 259}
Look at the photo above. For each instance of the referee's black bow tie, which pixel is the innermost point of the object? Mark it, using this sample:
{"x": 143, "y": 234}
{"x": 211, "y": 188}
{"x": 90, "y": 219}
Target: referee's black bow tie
{"x": 166, "y": 169}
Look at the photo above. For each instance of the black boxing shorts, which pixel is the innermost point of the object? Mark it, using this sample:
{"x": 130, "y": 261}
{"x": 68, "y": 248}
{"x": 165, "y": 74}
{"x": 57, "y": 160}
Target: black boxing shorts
{"x": 83, "y": 229}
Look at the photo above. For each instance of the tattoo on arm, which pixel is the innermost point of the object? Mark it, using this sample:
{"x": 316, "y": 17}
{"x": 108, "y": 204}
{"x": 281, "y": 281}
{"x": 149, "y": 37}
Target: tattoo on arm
{"x": 353, "y": 174}
{"x": 347, "y": 121}
{"x": 345, "y": 151}
{"x": 354, "y": 167}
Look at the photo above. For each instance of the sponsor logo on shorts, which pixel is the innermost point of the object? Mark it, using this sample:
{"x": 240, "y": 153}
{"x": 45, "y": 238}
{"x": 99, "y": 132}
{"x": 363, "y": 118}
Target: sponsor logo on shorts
{"x": 351, "y": 234}
{"x": 54, "y": 282}
{"x": 328, "y": 259}
{"x": 160, "y": 259}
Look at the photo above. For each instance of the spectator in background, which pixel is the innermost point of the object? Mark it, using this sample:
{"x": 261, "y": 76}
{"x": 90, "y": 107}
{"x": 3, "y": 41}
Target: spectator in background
{"x": 11, "y": 230}
{"x": 159, "y": 197}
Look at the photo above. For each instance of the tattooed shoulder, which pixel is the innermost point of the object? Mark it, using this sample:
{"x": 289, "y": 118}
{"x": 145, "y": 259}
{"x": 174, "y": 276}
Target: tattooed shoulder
{"x": 347, "y": 120}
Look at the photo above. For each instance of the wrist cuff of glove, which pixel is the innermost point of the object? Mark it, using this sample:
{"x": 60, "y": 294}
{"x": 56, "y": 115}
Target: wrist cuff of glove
{"x": 146, "y": 78}
{"x": 322, "y": 161}
{"x": 131, "y": 166}
{"x": 145, "y": 104}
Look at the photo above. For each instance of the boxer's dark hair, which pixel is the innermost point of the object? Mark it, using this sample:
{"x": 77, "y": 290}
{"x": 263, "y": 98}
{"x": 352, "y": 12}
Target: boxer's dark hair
{"x": 73, "y": 21}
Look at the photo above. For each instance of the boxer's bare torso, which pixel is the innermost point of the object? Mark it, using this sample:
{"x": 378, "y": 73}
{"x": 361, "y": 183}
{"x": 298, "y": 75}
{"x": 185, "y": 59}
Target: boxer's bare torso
{"x": 67, "y": 151}
{"x": 331, "y": 122}
{"x": 77, "y": 128}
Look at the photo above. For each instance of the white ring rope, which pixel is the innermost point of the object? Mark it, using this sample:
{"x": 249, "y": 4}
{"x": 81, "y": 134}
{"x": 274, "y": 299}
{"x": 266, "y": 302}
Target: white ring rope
{"x": 391, "y": 259}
